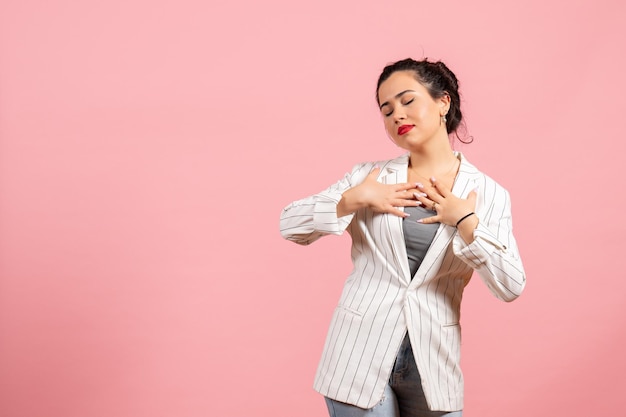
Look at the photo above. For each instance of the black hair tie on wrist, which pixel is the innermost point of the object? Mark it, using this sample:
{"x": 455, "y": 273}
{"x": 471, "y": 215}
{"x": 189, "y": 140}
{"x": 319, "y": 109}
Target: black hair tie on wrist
{"x": 463, "y": 218}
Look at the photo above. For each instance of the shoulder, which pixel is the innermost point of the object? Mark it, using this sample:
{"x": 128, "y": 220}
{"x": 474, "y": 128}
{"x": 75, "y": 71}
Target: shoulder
{"x": 362, "y": 169}
{"x": 480, "y": 179}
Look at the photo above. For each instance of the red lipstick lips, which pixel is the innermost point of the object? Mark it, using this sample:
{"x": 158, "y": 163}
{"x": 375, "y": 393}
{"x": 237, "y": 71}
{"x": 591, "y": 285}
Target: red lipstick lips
{"x": 404, "y": 129}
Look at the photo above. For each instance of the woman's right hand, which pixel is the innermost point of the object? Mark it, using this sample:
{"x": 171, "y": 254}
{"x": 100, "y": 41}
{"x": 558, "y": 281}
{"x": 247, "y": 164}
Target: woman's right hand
{"x": 380, "y": 198}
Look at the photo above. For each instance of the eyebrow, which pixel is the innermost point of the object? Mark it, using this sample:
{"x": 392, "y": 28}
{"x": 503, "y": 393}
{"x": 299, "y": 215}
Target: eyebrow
{"x": 396, "y": 96}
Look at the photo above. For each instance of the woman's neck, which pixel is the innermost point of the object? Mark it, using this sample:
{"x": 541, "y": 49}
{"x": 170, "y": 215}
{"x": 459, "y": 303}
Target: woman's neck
{"x": 434, "y": 160}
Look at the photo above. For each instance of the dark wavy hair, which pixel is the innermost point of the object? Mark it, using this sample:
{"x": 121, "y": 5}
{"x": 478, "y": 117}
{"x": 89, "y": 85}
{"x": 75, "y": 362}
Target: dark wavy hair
{"x": 439, "y": 81}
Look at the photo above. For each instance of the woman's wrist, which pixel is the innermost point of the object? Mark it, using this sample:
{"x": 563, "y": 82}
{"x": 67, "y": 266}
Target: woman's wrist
{"x": 349, "y": 203}
{"x": 467, "y": 226}
{"x": 463, "y": 218}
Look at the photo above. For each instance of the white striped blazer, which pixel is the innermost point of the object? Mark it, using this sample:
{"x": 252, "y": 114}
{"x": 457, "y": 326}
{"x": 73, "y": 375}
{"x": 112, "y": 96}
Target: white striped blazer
{"x": 380, "y": 301}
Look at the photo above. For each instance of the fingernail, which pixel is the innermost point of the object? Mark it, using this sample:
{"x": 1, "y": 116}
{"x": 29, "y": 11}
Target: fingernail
{"x": 407, "y": 215}
{"x": 432, "y": 179}
{"x": 420, "y": 220}
{"x": 419, "y": 185}
{"x": 419, "y": 203}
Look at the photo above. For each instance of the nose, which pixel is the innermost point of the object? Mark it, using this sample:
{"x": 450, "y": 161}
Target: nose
{"x": 399, "y": 116}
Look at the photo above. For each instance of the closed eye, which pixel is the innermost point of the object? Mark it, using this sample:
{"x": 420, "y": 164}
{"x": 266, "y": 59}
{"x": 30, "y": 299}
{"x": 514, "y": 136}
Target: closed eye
{"x": 387, "y": 110}
{"x": 389, "y": 113}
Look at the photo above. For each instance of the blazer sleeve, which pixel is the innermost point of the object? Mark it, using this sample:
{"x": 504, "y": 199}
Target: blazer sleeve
{"x": 306, "y": 220}
{"x": 494, "y": 253}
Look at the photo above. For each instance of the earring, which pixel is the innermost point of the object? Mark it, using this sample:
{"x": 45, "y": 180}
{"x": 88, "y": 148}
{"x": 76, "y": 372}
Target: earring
{"x": 443, "y": 119}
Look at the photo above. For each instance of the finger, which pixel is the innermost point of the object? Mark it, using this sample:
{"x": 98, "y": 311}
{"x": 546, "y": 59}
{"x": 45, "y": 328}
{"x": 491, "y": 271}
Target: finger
{"x": 425, "y": 200}
{"x": 407, "y": 195}
{"x": 405, "y": 203}
{"x": 397, "y": 212}
{"x": 429, "y": 220}
{"x": 374, "y": 172}
{"x": 442, "y": 190}
{"x": 473, "y": 195}
{"x": 420, "y": 196}
{"x": 431, "y": 192}
{"x": 405, "y": 186}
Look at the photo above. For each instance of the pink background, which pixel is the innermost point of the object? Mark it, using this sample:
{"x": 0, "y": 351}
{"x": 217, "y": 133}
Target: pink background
{"x": 147, "y": 148}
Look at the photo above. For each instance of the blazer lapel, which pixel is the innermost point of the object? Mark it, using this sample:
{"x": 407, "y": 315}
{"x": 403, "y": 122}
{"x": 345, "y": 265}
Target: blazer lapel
{"x": 463, "y": 184}
{"x": 394, "y": 172}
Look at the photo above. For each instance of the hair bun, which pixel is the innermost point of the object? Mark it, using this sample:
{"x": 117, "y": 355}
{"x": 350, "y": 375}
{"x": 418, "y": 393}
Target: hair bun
{"x": 448, "y": 75}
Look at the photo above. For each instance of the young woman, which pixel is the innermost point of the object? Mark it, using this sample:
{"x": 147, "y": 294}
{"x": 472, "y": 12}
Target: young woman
{"x": 421, "y": 224}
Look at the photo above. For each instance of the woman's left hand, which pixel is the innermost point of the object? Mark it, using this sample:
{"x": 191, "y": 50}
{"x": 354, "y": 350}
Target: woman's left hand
{"x": 448, "y": 207}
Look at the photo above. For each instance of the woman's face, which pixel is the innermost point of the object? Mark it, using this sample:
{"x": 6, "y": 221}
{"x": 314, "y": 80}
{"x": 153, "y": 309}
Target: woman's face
{"x": 412, "y": 117}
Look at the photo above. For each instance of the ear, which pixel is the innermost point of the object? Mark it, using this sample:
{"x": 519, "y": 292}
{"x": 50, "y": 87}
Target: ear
{"x": 444, "y": 104}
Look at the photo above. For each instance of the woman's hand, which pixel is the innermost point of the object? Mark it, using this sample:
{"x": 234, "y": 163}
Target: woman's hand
{"x": 381, "y": 198}
{"x": 449, "y": 208}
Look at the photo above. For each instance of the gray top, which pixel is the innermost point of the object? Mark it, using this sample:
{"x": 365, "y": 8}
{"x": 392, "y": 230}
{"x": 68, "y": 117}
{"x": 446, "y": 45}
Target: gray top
{"x": 417, "y": 236}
